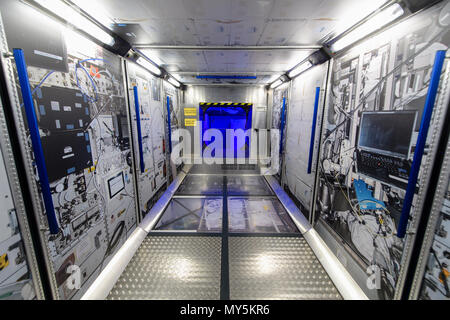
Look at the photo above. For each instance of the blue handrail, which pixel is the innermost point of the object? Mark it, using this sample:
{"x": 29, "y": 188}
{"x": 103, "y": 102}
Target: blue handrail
{"x": 283, "y": 111}
{"x": 421, "y": 139}
{"x": 169, "y": 124}
{"x": 139, "y": 130}
{"x": 36, "y": 140}
{"x": 313, "y": 129}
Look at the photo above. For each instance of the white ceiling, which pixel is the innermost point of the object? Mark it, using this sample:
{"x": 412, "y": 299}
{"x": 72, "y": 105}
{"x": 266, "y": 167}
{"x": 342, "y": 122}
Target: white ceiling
{"x": 228, "y": 60}
{"x": 231, "y": 23}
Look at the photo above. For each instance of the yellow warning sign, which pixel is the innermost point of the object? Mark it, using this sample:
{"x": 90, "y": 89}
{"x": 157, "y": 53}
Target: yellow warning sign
{"x": 190, "y": 122}
{"x": 190, "y": 111}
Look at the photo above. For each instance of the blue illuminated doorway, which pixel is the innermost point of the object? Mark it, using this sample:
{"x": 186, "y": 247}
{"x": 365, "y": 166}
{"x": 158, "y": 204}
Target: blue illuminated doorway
{"x": 224, "y": 116}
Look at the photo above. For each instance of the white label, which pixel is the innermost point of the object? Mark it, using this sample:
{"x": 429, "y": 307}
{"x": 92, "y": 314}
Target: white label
{"x": 55, "y": 105}
{"x": 68, "y": 156}
{"x": 48, "y": 55}
{"x": 58, "y": 124}
{"x": 67, "y": 108}
{"x": 67, "y": 149}
{"x": 77, "y": 105}
{"x": 116, "y": 184}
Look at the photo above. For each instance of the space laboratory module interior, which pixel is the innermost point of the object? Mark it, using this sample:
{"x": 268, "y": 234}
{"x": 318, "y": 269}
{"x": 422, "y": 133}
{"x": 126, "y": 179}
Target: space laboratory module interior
{"x": 224, "y": 150}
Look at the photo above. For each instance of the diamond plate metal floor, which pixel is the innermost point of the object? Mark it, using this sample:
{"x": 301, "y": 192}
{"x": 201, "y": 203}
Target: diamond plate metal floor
{"x": 276, "y": 268}
{"x": 166, "y": 267}
{"x": 252, "y": 266}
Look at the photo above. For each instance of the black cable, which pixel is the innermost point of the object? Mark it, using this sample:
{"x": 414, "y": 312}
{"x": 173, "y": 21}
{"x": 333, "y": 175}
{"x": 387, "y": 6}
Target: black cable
{"x": 118, "y": 231}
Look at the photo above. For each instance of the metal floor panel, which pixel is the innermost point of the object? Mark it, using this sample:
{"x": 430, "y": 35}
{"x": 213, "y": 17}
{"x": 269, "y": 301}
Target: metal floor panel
{"x": 201, "y": 185}
{"x": 196, "y": 214}
{"x": 258, "y": 215}
{"x": 248, "y": 185}
{"x": 167, "y": 267}
{"x": 276, "y": 268}
{"x": 224, "y": 169}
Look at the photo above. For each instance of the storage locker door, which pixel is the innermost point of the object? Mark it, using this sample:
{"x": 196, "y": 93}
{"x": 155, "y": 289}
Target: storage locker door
{"x": 305, "y": 110}
{"x": 149, "y": 147}
{"x": 279, "y": 111}
{"x": 19, "y": 275}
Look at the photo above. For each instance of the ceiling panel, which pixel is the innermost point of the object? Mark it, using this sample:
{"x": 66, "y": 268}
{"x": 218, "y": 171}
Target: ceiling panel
{"x": 191, "y": 79}
{"x": 296, "y": 9}
{"x": 247, "y": 32}
{"x": 211, "y": 32}
{"x": 251, "y": 8}
{"x": 232, "y": 23}
{"x": 311, "y": 31}
{"x": 174, "y": 32}
{"x": 278, "y": 32}
{"x": 229, "y": 61}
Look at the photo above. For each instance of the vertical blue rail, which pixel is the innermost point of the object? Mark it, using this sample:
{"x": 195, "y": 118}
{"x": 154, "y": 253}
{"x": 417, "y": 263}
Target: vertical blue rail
{"x": 313, "y": 129}
{"x": 283, "y": 111}
{"x": 169, "y": 124}
{"x": 139, "y": 130}
{"x": 36, "y": 140}
{"x": 421, "y": 139}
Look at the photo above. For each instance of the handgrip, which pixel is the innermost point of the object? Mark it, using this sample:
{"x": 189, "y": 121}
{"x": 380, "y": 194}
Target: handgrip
{"x": 283, "y": 111}
{"x": 169, "y": 124}
{"x": 35, "y": 140}
{"x": 139, "y": 131}
{"x": 421, "y": 139}
{"x": 313, "y": 129}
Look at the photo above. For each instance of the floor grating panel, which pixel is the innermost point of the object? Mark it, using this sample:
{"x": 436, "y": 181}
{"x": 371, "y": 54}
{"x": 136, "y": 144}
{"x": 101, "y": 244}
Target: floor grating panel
{"x": 276, "y": 268}
{"x": 166, "y": 267}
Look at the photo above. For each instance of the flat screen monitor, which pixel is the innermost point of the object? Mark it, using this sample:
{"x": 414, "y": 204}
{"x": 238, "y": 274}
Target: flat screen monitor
{"x": 116, "y": 184}
{"x": 387, "y": 132}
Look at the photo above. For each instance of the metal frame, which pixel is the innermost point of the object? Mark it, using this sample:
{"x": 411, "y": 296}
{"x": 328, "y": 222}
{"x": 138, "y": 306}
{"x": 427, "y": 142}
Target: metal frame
{"x": 312, "y": 212}
{"x": 421, "y": 140}
{"x": 125, "y": 81}
{"x": 438, "y": 200}
{"x": 428, "y": 240}
{"x": 27, "y": 159}
{"x": 437, "y": 128}
{"x": 6, "y": 149}
{"x": 323, "y": 96}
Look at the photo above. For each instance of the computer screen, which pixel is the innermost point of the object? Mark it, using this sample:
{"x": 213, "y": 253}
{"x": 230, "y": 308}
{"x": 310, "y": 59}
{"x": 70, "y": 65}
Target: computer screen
{"x": 387, "y": 132}
{"x": 116, "y": 184}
